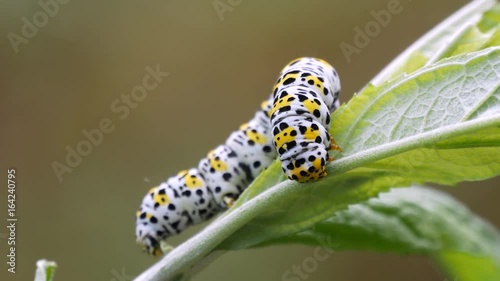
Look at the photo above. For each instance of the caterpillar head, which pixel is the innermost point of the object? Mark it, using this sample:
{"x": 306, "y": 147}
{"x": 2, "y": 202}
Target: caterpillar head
{"x": 171, "y": 207}
{"x": 148, "y": 240}
{"x": 308, "y": 165}
{"x": 146, "y": 236}
{"x": 155, "y": 218}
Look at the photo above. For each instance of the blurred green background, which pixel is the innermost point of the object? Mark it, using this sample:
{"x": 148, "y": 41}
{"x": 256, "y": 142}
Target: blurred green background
{"x": 64, "y": 79}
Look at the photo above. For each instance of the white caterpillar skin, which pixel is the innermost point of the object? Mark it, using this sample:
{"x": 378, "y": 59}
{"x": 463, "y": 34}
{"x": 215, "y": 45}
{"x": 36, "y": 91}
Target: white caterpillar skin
{"x": 198, "y": 194}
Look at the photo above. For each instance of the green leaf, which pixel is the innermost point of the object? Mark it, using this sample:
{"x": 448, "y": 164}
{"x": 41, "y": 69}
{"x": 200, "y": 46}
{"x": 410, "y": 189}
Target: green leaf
{"x": 469, "y": 40}
{"x": 454, "y": 90}
{"x": 413, "y": 220}
{"x": 45, "y": 270}
{"x": 466, "y": 267}
{"x": 455, "y": 35}
{"x": 490, "y": 18}
{"x": 494, "y": 39}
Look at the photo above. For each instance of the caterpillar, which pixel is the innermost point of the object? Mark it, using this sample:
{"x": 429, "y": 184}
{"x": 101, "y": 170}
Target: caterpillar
{"x": 304, "y": 96}
{"x": 293, "y": 122}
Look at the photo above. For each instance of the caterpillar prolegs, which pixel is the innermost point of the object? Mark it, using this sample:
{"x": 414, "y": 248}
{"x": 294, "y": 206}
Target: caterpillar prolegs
{"x": 293, "y": 123}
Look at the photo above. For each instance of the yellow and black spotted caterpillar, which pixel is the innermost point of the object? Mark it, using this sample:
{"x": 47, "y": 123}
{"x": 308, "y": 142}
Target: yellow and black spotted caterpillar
{"x": 292, "y": 123}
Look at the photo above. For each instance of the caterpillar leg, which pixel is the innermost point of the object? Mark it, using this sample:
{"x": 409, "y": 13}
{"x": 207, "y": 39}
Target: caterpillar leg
{"x": 165, "y": 248}
{"x": 229, "y": 201}
{"x": 333, "y": 146}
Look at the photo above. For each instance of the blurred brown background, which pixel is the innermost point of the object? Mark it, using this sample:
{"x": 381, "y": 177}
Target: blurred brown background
{"x": 64, "y": 79}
